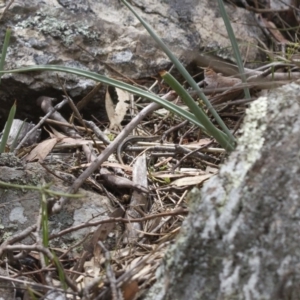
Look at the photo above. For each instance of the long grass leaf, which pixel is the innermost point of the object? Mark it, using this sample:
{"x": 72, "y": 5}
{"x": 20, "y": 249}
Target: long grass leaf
{"x": 45, "y": 227}
{"x": 4, "y": 49}
{"x": 61, "y": 274}
{"x": 198, "y": 112}
{"x": 234, "y": 45}
{"x": 182, "y": 71}
{"x": 119, "y": 84}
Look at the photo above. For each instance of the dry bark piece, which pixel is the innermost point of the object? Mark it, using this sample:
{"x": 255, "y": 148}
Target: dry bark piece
{"x": 121, "y": 182}
{"x": 138, "y": 202}
{"x": 15, "y": 132}
{"x": 46, "y": 105}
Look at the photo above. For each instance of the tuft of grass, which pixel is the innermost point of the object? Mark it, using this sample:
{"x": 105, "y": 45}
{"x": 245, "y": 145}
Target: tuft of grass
{"x": 185, "y": 74}
{"x": 197, "y": 110}
{"x": 115, "y": 83}
{"x": 196, "y": 115}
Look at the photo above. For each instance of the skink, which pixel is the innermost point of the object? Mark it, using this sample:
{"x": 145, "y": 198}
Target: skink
{"x": 132, "y": 140}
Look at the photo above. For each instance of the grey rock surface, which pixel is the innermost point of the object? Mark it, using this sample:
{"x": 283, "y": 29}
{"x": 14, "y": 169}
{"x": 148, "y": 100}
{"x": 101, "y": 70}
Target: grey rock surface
{"x": 105, "y": 37}
{"x": 241, "y": 238}
{"x": 20, "y": 208}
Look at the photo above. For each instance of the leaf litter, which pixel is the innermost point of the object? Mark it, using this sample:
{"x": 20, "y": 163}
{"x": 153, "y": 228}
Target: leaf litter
{"x": 120, "y": 256}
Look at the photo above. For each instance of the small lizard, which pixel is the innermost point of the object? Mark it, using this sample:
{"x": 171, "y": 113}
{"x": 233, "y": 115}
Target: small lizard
{"x": 133, "y": 139}
{"x": 216, "y": 80}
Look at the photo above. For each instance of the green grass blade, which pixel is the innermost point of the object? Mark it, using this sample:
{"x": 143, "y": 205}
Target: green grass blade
{"x": 31, "y": 293}
{"x": 61, "y": 274}
{"x": 198, "y": 112}
{"x": 182, "y": 70}
{"x": 119, "y": 84}
{"x": 45, "y": 227}
{"x": 4, "y": 49}
{"x": 234, "y": 45}
{"x": 7, "y": 128}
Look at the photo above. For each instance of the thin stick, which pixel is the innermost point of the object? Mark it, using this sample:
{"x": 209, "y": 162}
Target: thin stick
{"x": 42, "y": 121}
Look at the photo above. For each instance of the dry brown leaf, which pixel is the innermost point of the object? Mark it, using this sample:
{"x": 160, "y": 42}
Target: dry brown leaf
{"x": 41, "y": 151}
{"x": 65, "y": 141}
{"x": 122, "y": 105}
{"x": 143, "y": 272}
{"x": 117, "y": 114}
{"x": 138, "y": 199}
{"x": 55, "y": 133}
{"x": 109, "y": 106}
{"x": 130, "y": 289}
{"x": 267, "y": 25}
{"x": 191, "y": 180}
{"x": 211, "y": 170}
{"x": 164, "y": 174}
{"x": 183, "y": 172}
{"x": 92, "y": 269}
{"x": 71, "y": 142}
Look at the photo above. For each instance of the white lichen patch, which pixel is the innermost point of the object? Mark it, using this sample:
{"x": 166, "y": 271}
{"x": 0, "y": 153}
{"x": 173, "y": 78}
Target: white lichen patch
{"x": 17, "y": 215}
{"x": 250, "y": 288}
{"x": 253, "y": 130}
{"x": 229, "y": 277}
{"x": 252, "y": 139}
{"x": 88, "y": 210}
{"x": 234, "y": 172}
{"x": 50, "y": 24}
{"x": 246, "y": 154}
